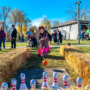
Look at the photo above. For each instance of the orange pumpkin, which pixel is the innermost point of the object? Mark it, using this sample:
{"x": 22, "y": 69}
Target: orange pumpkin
{"x": 45, "y": 62}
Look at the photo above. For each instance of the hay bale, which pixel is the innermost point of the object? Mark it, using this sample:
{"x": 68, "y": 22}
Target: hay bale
{"x": 78, "y": 60}
{"x": 87, "y": 87}
{"x": 11, "y": 61}
{"x": 81, "y": 65}
{"x": 65, "y": 48}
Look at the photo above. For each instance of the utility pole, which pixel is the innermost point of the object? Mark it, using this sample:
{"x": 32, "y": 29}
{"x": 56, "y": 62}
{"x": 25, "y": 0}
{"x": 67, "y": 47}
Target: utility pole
{"x": 78, "y": 4}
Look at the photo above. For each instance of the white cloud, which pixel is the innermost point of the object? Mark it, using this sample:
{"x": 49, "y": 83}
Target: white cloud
{"x": 37, "y": 22}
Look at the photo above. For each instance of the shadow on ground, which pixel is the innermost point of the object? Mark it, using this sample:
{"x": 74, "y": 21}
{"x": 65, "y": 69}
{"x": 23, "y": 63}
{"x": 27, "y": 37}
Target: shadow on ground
{"x": 30, "y": 74}
{"x": 55, "y": 57}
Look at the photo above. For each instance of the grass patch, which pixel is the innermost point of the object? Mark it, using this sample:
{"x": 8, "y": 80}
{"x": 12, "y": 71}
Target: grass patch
{"x": 85, "y": 49}
{"x": 8, "y": 44}
{"x": 73, "y": 42}
{"x": 5, "y": 50}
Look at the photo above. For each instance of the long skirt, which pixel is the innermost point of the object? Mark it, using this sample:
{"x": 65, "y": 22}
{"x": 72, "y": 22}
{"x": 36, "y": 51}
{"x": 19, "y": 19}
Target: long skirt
{"x": 43, "y": 51}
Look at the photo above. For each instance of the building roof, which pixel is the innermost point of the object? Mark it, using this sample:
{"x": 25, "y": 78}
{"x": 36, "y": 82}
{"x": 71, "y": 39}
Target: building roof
{"x": 69, "y": 23}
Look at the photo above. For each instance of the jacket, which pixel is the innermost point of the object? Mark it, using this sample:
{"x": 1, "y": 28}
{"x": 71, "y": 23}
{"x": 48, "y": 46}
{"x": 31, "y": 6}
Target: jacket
{"x": 29, "y": 33}
{"x": 60, "y": 37}
{"x": 0, "y": 34}
{"x": 14, "y": 33}
{"x": 48, "y": 35}
{"x": 3, "y": 35}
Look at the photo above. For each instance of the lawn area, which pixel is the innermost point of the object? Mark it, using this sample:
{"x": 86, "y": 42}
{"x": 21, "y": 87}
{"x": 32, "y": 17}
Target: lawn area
{"x": 85, "y": 49}
{"x": 8, "y": 44}
{"x": 73, "y": 42}
{"x": 5, "y": 50}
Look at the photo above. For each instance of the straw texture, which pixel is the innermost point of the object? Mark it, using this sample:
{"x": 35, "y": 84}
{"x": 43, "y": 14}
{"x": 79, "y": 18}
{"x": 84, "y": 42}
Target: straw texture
{"x": 78, "y": 60}
{"x": 11, "y": 61}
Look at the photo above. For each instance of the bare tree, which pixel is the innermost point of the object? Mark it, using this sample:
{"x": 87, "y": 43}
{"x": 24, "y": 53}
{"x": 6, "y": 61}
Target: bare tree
{"x": 83, "y": 12}
{"x": 72, "y": 12}
{"x": 27, "y": 22}
{"x": 88, "y": 16}
{"x": 56, "y": 23}
{"x": 46, "y": 23}
{"x": 22, "y": 19}
{"x": 13, "y": 16}
{"x": 4, "y": 14}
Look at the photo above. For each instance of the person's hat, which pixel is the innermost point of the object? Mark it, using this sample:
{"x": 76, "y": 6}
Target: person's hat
{"x": 41, "y": 27}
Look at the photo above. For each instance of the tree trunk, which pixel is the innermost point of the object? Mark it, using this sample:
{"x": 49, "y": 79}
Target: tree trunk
{"x": 20, "y": 29}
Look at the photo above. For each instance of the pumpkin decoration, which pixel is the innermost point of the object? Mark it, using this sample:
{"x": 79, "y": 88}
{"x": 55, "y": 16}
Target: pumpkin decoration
{"x": 45, "y": 62}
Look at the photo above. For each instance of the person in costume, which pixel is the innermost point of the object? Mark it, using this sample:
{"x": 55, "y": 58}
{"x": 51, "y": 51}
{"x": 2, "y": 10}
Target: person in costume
{"x": 55, "y": 36}
{"x": 59, "y": 37}
{"x": 44, "y": 38}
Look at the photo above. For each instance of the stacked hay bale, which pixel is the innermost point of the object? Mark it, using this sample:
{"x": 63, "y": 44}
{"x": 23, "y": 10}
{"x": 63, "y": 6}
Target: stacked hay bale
{"x": 87, "y": 87}
{"x": 66, "y": 48}
{"x": 11, "y": 61}
{"x": 78, "y": 60}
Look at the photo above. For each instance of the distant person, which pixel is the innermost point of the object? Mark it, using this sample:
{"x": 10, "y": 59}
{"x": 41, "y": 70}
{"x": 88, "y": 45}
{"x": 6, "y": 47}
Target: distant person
{"x": 55, "y": 36}
{"x": 65, "y": 36}
{"x": 3, "y": 36}
{"x": 83, "y": 35}
{"x": 22, "y": 37}
{"x": 13, "y": 37}
{"x": 0, "y": 39}
{"x": 36, "y": 32}
{"x": 59, "y": 37}
{"x": 29, "y": 33}
{"x": 19, "y": 38}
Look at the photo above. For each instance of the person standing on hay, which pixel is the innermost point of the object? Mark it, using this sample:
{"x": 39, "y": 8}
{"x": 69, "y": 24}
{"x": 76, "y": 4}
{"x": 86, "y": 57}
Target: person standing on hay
{"x": 44, "y": 37}
{"x": 13, "y": 37}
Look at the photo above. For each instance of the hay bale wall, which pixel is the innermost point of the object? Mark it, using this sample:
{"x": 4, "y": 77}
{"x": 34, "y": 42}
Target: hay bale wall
{"x": 11, "y": 61}
{"x": 87, "y": 87}
{"x": 78, "y": 60}
{"x": 65, "y": 48}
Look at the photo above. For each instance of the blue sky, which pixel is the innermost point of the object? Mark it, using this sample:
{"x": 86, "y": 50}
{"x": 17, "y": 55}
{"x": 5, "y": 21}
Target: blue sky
{"x": 37, "y": 9}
